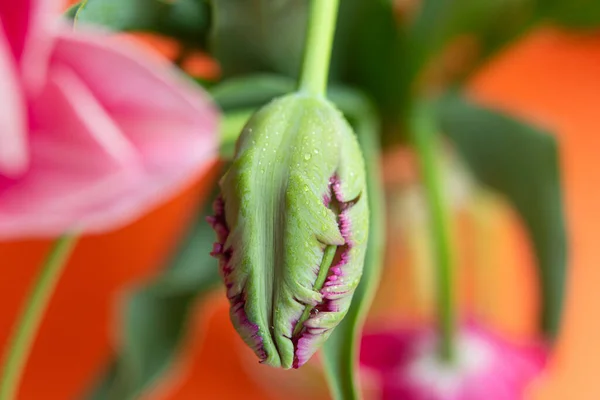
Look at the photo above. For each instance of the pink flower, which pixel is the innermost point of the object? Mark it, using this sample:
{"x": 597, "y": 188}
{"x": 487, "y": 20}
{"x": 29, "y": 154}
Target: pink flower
{"x": 486, "y": 367}
{"x": 93, "y": 131}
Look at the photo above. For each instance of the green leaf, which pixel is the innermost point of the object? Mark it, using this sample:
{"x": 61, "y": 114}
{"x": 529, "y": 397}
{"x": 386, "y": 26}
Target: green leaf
{"x": 371, "y": 53}
{"x": 578, "y": 14}
{"x": 384, "y": 55}
{"x": 232, "y": 123}
{"x": 251, "y": 91}
{"x": 492, "y": 23}
{"x": 155, "y": 317}
{"x": 520, "y": 162}
{"x": 71, "y": 12}
{"x": 341, "y": 351}
{"x": 184, "y": 20}
{"x": 258, "y": 36}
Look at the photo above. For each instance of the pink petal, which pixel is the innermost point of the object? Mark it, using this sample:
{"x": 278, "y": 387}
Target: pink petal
{"x": 486, "y": 367}
{"x": 27, "y": 25}
{"x": 156, "y": 110}
{"x": 16, "y": 17}
{"x": 114, "y": 132}
{"x": 13, "y": 145}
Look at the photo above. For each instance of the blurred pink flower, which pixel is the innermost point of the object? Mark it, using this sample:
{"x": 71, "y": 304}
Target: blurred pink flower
{"x": 487, "y": 367}
{"x": 93, "y": 131}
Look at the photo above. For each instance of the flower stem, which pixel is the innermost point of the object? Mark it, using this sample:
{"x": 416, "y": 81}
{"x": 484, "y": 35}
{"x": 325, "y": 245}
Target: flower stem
{"x": 317, "y": 50}
{"x": 27, "y": 324}
{"x": 426, "y": 142}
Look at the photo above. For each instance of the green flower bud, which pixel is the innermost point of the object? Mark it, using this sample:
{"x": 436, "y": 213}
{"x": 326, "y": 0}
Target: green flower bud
{"x": 292, "y": 226}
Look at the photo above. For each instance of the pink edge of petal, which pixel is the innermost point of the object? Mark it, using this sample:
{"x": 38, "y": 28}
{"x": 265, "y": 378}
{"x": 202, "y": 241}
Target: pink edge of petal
{"x": 249, "y": 331}
{"x": 304, "y": 342}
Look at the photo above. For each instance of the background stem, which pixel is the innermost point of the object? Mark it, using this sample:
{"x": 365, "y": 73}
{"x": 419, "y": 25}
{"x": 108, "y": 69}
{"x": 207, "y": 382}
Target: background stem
{"x": 27, "y": 324}
{"x": 425, "y": 139}
{"x": 317, "y": 50}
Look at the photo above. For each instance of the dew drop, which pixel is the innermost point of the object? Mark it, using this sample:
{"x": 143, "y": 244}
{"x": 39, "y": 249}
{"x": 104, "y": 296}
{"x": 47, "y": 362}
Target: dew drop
{"x": 307, "y": 156}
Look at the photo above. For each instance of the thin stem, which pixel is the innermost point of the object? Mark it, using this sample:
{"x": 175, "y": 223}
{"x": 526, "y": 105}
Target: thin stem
{"x": 425, "y": 139}
{"x": 28, "y": 323}
{"x": 317, "y": 50}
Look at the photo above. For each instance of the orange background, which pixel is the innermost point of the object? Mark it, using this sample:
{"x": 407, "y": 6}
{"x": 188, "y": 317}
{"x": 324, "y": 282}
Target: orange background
{"x": 550, "y": 78}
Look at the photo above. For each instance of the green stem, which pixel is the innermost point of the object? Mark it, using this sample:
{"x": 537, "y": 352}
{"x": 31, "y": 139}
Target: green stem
{"x": 27, "y": 325}
{"x": 427, "y": 145}
{"x": 317, "y": 50}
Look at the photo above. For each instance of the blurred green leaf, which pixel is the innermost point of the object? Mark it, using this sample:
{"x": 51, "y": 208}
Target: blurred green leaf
{"x": 580, "y": 14}
{"x": 342, "y": 349}
{"x": 258, "y": 36}
{"x": 250, "y": 91}
{"x": 72, "y": 11}
{"x": 155, "y": 317}
{"x": 385, "y": 54}
{"x": 371, "y": 54}
{"x": 184, "y": 20}
{"x": 520, "y": 162}
{"x": 232, "y": 123}
{"x": 493, "y": 22}
{"x": 466, "y": 32}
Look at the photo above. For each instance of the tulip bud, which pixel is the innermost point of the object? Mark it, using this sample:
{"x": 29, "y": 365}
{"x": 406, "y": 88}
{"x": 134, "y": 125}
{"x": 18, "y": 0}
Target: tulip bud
{"x": 292, "y": 226}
